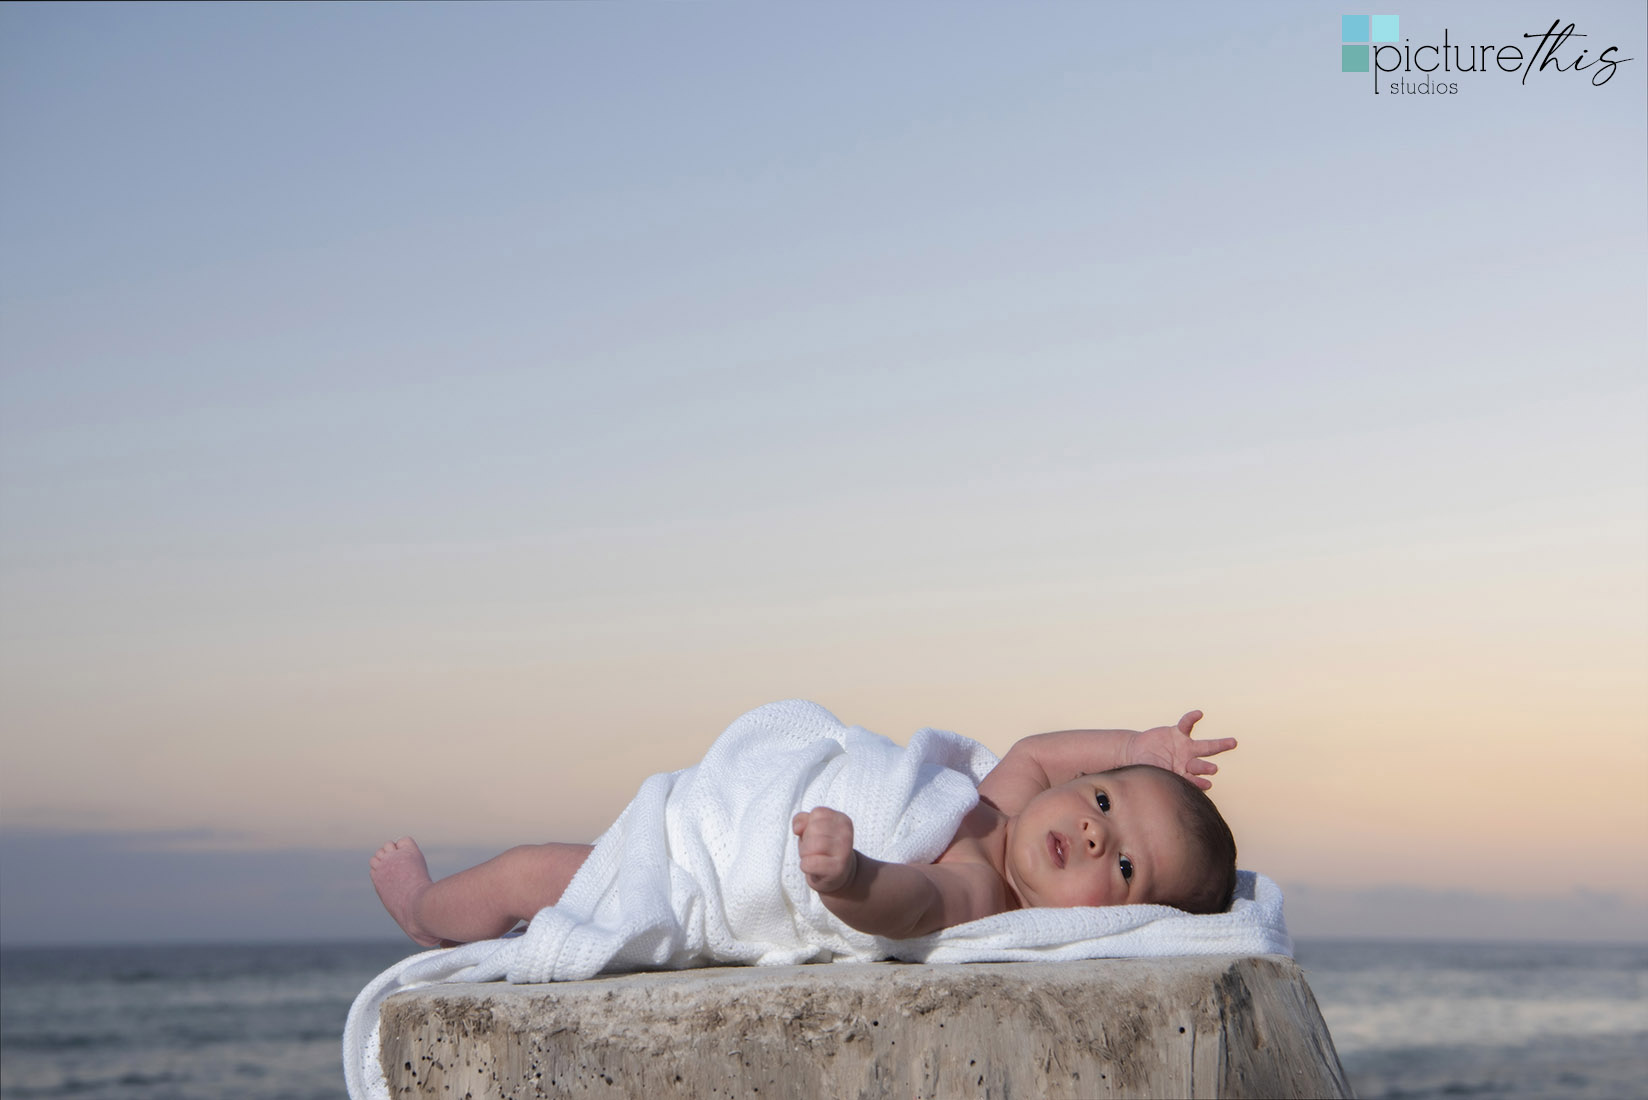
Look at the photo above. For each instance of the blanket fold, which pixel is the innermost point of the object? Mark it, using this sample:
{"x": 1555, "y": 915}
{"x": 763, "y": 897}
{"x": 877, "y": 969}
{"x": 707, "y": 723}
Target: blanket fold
{"x": 701, "y": 869}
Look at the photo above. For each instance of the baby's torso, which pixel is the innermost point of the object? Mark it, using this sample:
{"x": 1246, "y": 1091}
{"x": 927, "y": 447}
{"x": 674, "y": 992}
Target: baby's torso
{"x": 980, "y": 843}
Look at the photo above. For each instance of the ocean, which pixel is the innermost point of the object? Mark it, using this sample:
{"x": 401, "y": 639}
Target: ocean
{"x": 264, "y": 1021}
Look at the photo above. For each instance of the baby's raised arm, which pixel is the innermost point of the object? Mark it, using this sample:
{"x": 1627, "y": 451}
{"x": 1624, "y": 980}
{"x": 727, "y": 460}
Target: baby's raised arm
{"x": 896, "y": 900}
{"x": 1046, "y": 760}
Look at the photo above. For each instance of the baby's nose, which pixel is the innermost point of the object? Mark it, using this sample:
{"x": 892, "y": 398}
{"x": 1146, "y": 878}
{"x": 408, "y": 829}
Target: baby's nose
{"x": 1093, "y": 835}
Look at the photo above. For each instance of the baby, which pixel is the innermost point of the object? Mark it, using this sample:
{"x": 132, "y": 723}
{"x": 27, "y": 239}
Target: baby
{"x": 1077, "y": 817}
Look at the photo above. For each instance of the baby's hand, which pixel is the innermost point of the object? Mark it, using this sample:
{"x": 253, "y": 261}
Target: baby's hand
{"x": 1173, "y": 748}
{"x": 827, "y": 856}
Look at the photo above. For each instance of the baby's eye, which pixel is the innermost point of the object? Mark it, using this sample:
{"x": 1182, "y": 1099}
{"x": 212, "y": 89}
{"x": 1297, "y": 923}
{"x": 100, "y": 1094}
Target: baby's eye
{"x": 1104, "y": 803}
{"x": 1127, "y": 869}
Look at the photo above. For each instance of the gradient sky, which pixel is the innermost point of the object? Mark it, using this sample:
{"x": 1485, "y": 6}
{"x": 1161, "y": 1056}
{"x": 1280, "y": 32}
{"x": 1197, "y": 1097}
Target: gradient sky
{"x": 435, "y": 419}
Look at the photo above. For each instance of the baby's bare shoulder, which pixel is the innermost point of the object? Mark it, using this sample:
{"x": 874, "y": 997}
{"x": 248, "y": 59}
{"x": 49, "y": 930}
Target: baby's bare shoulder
{"x": 973, "y": 861}
{"x": 980, "y": 838}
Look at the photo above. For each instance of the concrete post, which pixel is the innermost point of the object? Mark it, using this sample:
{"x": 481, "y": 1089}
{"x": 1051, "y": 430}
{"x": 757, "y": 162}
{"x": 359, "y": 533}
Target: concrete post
{"x": 1179, "y": 1027}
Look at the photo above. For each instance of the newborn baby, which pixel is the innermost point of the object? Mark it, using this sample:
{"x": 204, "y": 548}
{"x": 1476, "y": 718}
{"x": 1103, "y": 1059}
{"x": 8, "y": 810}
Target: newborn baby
{"x": 1073, "y": 818}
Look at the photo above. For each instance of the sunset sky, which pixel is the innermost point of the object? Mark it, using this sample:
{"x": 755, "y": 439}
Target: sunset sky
{"x": 435, "y": 419}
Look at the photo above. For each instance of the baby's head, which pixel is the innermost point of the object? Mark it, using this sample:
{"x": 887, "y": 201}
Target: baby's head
{"x": 1211, "y": 851}
{"x": 1131, "y": 836}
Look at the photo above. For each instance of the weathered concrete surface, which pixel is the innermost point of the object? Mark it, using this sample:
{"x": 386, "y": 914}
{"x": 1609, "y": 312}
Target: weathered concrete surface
{"x": 1183, "y": 1027}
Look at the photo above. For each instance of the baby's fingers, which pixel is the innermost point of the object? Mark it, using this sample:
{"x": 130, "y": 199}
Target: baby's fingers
{"x": 1213, "y": 746}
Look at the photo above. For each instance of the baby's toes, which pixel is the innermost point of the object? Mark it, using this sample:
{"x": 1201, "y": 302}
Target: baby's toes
{"x": 382, "y": 855}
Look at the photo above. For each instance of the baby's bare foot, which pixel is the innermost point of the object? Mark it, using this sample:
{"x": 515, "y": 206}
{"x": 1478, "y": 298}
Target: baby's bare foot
{"x": 401, "y": 875}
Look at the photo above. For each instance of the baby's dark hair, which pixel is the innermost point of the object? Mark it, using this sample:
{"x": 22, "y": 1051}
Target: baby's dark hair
{"x": 1216, "y": 883}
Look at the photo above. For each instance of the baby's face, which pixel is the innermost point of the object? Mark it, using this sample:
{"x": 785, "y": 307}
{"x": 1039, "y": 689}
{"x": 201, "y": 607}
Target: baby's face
{"x": 1114, "y": 838}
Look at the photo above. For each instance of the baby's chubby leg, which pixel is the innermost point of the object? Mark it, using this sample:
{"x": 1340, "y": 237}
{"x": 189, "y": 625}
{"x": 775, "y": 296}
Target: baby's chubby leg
{"x": 478, "y": 904}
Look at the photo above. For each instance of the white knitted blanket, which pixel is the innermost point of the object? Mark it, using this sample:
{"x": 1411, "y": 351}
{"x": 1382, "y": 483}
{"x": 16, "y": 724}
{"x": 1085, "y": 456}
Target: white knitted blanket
{"x": 701, "y": 868}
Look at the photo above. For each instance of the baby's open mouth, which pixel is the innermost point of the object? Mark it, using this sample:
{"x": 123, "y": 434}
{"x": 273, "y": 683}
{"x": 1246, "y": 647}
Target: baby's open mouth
{"x": 1058, "y": 846}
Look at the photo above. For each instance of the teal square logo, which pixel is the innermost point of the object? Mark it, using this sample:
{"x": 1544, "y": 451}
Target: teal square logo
{"x": 1355, "y": 30}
